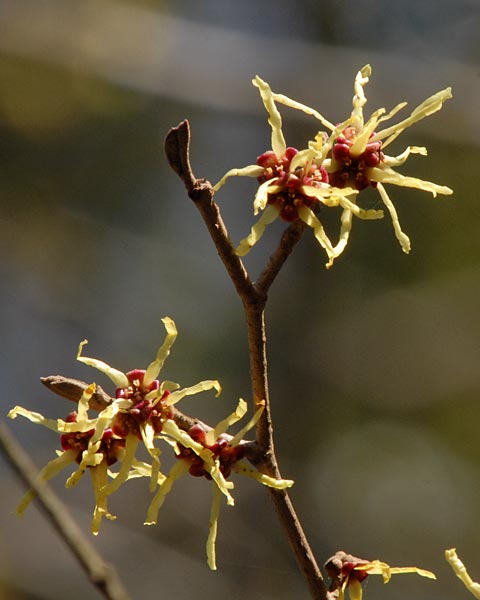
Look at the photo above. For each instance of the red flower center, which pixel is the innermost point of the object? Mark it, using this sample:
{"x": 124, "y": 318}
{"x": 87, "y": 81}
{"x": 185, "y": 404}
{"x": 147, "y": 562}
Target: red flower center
{"x": 353, "y": 171}
{"x": 292, "y": 195}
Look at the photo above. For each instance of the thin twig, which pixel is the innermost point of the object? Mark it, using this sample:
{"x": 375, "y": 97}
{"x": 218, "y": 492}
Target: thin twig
{"x": 288, "y": 241}
{"x": 254, "y": 298}
{"x": 102, "y": 575}
{"x": 177, "y": 148}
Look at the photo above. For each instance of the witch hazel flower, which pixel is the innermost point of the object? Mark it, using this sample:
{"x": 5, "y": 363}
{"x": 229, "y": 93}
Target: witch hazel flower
{"x": 214, "y": 455}
{"x": 353, "y": 154}
{"x": 142, "y": 407}
{"x": 294, "y": 185}
{"x": 347, "y": 573}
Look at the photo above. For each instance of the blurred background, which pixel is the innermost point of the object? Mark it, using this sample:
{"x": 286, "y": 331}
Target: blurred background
{"x": 374, "y": 365}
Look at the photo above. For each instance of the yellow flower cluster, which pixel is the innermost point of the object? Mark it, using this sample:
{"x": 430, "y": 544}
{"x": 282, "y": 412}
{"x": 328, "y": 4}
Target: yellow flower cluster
{"x": 142, "y": 411}
{"x": 334, "y": 168}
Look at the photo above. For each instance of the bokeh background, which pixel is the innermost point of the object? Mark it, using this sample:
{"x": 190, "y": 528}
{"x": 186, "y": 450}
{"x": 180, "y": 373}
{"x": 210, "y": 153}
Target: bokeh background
{"x": 374, "y": 364}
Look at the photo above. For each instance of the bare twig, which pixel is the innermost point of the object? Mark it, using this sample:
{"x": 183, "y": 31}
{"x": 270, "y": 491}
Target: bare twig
{"x": 287, "y": 243}
{"x": 254, "y": 297}
{"x": 102, "y": 575}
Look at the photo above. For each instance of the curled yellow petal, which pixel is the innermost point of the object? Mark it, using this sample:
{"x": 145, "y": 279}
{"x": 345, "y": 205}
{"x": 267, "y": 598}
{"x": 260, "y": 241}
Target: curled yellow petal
{"x": 269, "y": 215}
{"x": 202, "y": 386}
{"x": 461, "y": 572}
{"x": 401, "y": 237}
{"x": 99, "y": 483}
{"x": 118, "y": 378}
{"x": 272, "y": 482}
{"x": 223, "y": 425}
{"x": 212, "y": 529}
{"x": 274, "y": 118}
{"x": 311, "y": 220}
{"x": 250, "y": 171}
{"x": 163, "y": 352}
{"x": 49, "y": 471}
{"x": 179, "y": 468}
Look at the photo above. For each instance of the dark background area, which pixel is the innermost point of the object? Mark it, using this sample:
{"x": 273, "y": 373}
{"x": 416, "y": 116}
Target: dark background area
{"x": 374, "y": 364}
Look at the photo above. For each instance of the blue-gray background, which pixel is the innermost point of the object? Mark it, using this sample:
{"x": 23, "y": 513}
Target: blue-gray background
{"x": 374, "y": 365}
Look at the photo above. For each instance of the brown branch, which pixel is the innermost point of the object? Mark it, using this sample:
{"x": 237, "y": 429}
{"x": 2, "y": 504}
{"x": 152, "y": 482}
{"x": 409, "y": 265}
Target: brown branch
{"x": 72, "y": 389}
{"x": 254, "y": 298}
{"x": 177, "y": 149}
{"x": 288, "y": 241}
{"x": 102, "y": 575}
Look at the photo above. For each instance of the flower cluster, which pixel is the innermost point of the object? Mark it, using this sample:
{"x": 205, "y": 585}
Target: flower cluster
{"x": 143, "y": 411}
{"x": 347, "y": 573}
{"x": 334, "y": 168}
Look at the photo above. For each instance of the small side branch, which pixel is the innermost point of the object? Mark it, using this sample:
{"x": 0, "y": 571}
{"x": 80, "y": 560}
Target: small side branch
{"x": 102, "y": 575}
{"x": 288, "y": 241}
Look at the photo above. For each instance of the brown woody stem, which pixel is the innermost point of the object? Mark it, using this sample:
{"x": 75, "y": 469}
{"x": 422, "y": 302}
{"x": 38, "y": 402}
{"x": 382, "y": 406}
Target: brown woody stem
{"x": 254, "y": 298}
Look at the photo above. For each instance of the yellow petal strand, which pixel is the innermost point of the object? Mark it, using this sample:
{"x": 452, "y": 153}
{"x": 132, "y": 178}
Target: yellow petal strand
{"x": 34, "y": 417}
{"x": 363, "y": 136}
{"x": 322, "y": 148}
{"x": 261, "y": 196}
{"x": 203, "y": 386}
{"x": 346, "y": 226}
{"x": 461, "y": 572}
{"x": 396, "y": 161}
{"x": 118, "y": 378}
{"x": 274, "y": 118}
{"x": 49, "y": 471}
{"x": 355, "y": 589}
{"x": 179, "y": 468}
{"x": 213, "y": 526}
{"x": 359, "y": 98}
{"x": 239, "y": 413}
{"x": 311, "y": 220}
{"x": 376, "y": 567}
{"x": 99, "y": 484}
{"x": 364, "y": 214}
{"x": 82, "y": 410}
{"x": 131, "y": 444}
{"x": 302, "y": 159}
{"x": 143, "y": 469}
{"x": 285, "y": 100}
{"x": 421, "y": 572}
{"x": 391, "y": 176}
{"x": 163, "y": 352}
{"x": 278, "y": 484}
{"x": 237, "y": 438}
{"x": 90, "y": 458}
{"x": 104, "y": 420}
{"x": 222, "y": 484}
{"x": 425, "y": 109}
{"x": 401, "y": 237}
{"x": 268, "y": 216}
{"x": 148, "y": 434}
{"x": 171, "y": 428}
{"x": 250, "y": 171}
